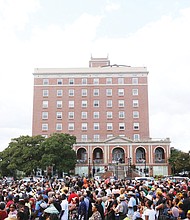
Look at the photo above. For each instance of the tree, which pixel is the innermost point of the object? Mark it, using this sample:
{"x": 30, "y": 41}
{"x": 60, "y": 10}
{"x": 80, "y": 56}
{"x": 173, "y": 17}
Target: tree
{"x": 27, "y": 153}
{"x": 22, "y": 154}
{"x": 179, "y": 161}
{"x": 58, "y": 152}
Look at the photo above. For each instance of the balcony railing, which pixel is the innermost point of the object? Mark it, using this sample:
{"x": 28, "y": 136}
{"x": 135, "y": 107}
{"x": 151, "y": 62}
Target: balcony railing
{"x": 140, "y": 161}
{"x": 81, "y": 161}
{"x": 160, "y": 161}
{"x": 98, "y": 161}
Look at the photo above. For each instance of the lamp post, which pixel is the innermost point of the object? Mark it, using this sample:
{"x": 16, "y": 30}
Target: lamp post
{"x": 89, "y": 168}
{"x": 117, "y": 170}
{"x": 129, "y": 166}
{"x": 145, "y": 166}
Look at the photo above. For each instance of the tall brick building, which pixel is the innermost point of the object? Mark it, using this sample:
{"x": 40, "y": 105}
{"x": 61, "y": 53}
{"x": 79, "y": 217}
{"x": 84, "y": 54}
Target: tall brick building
{"x": 106, "y": 107}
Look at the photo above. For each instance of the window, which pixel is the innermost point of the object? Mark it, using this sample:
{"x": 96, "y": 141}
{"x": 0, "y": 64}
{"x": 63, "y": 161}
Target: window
{"x": 71, "y": 115}
{"x": 135, "y": 114}
{"x": 59, "y": 92}
{"x": 59, "y": 115}
{"x": 45, "y": 93}
{"x": 109, "y": 92}
{"x": 96, "y": 126}
{"x": 84, "y": 126}
{"x": 71, "y": 104}
{"x": 121, "y": 80}
{"x": 109, "y": 126}
{"x": 135, "y": 103}
{"x": 136, "y": 137}
{"x": 71, "y": 126}
{"x": 96, "y": 103}
{"x": 84, "y": 81}
{"x": 59, "y": 104}
{"x": 71, "y": 81}
{"x": 58, "y": 126}
{"x": 109, "y": 135}
{"x": 135, "y": 126}
{"x": 109, "y": 115}
{"x": 45, "y": 81}
{"x": 121, "y": 126}
{"x": 96, "y": 92}
{"x": 84, "y": 104}
{"x": 120, "y": 92}
{"x": 121, "y": 114}
{"x": 96, "y": 81}
{"x": 109, "y": 80}
{"x": 121, "y": 103}
{"x": 135, "y": 91}
{"x": 109, "y": 103}
{"x": 96, "y": 137}
{"x": 84, "y": 115}
{"x": 84, "y": 137}
{"x": 84, "y": 92}
{"x": 135, "y": 81}
{"x": 71, "y": 92}
{"x": 44, "y": 115}
{"x": 96, "y": 115}
{"x": 45, "y": 104}
{"x": 44, "y": 127}
{"x": 59, "y": 81}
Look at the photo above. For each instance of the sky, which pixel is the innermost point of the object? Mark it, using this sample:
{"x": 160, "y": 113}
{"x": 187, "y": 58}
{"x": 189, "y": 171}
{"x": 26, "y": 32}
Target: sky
{"x": 65, "y": 33}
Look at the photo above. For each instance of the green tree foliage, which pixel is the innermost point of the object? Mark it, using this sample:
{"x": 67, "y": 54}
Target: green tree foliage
{"x": 179, "y": 161}
{"x": 29, "y": 153}
{"x": 58, "y": 152}
{"x": 22, "y": 154}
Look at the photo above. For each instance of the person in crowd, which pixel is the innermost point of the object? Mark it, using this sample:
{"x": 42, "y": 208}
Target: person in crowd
{"x": 64, "y": 208}
{"x": 149, "y": 213}
{"x": 3, "y": 211}
{"x": 95, "y": 213}
{"x": 82, "y": 210}
{"x": 12, "y": 211}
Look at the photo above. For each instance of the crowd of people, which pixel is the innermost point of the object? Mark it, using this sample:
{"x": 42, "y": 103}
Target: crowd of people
{"x": 80, "y": 198}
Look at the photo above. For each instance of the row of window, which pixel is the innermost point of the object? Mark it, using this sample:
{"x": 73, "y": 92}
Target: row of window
{"x": 96, "y": 137}
{"x": 84, "y": 126}
{"x": 84, "y": 92}
{"x": 84, "y": 81}
{"x": 84, "y": 115}
{"x": 96, "y": 103}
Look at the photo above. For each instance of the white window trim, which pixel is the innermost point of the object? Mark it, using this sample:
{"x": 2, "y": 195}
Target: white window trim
{"x": 58, "y": 127}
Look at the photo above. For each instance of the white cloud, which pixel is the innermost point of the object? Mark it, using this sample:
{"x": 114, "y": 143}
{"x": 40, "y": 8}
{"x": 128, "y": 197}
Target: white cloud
{"x": 15, "y": 14}
{"x": 111, "y": 6}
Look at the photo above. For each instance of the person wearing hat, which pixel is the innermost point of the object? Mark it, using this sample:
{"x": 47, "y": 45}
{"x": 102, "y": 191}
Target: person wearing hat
{"x": 132, "y": 202}
{"x": 123, "y": 214}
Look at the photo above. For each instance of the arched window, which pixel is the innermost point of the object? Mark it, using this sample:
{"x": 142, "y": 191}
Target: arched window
{"x": 98, "y": 155}
{"x": 159, "y": 155}
{"x": 118, "y": 155}
{"x": 81, "y": 155}
{"x": 140, "y": 155}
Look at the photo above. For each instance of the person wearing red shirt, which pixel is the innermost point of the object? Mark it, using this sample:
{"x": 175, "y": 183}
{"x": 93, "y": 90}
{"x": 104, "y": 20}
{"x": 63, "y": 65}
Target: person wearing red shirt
{"x": 3, "y": 212}
{"x": 73, "y": 195}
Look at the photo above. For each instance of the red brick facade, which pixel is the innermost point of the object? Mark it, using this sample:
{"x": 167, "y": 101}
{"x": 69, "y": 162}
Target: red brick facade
{"x": 98, "y": 104}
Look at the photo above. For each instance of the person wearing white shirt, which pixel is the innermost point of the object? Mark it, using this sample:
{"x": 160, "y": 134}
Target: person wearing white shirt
{"x": 149, "y": 213}
{"x": 64, "y": 208}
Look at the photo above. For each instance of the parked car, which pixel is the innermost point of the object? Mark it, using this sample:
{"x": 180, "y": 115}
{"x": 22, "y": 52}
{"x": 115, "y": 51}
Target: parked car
{"x": 149, "y": 180}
